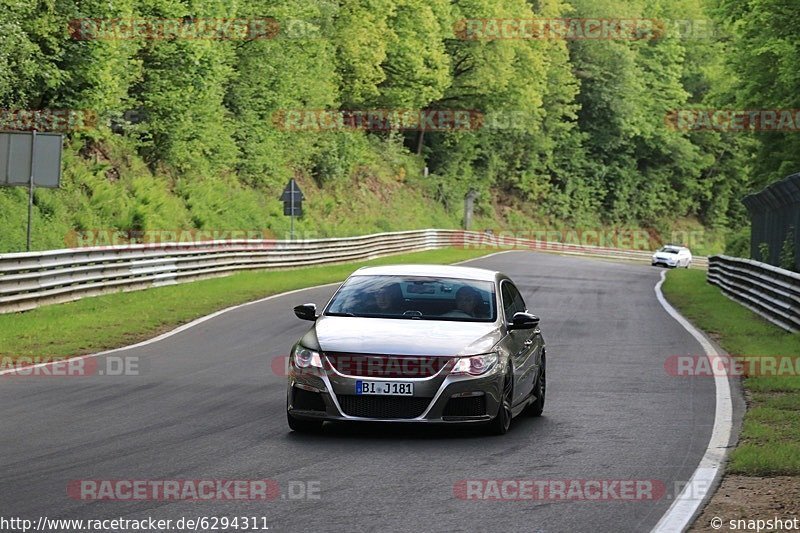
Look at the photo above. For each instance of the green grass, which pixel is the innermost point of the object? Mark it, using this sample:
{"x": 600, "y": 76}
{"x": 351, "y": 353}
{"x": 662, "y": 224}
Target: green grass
{"x": 118, "y": 319}
{"x": 770, "y": 439}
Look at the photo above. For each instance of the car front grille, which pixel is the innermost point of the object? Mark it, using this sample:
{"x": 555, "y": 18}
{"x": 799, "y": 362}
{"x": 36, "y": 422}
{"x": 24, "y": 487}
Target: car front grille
{"x": 467, "y": 406}
{"x": 386, "y": 366}
{"x": 383, "y": 406}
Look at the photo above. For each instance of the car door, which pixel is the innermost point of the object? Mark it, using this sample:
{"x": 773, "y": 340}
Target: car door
{"x": 523, "y": 344}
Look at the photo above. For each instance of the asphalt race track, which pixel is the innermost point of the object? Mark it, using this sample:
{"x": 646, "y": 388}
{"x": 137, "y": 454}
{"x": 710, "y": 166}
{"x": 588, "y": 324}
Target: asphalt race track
{"x": 208, "y": 405}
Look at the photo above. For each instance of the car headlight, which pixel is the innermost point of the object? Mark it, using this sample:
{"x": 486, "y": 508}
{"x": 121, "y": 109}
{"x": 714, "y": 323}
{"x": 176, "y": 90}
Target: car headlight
{"x": 305, "y": 358}
{"x": 475, "y": 365}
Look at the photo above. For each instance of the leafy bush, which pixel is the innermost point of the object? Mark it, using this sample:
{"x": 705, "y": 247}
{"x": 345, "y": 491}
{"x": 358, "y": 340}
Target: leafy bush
{"x": 737, "y": 244}
{"x": 787, "y": 258}
{"x": 763, "y": 252}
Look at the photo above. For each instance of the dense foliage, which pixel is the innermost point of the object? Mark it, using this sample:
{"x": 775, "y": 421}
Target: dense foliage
{"x": 573, "y": 131}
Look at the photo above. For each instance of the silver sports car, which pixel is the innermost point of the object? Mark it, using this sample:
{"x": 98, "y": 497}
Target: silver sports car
{"x": 418, "y": 343}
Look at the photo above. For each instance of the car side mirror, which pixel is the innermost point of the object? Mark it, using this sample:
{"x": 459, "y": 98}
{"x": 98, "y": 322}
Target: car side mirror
{"x": 306, "y": 311}
{"x": 523, "y": 321}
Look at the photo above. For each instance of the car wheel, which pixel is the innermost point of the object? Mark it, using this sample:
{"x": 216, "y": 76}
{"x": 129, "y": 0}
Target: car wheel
{"x": 303, "y": 426}
{"x": 540, "y": 391}
{"x": 687, "y": 264}
{"x": 500, "y": 424}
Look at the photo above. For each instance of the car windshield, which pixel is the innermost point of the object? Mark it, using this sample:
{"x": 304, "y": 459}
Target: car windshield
{"x": 421, "y": 298}
{"x": 669, "y": 250}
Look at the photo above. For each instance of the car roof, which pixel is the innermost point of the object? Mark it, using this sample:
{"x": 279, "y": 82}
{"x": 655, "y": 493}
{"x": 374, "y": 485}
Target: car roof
{"x": 442, "y": 271}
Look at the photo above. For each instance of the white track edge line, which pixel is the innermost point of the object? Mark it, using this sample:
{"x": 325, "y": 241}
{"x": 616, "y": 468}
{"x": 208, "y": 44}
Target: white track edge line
{"x": 698, "y": 491}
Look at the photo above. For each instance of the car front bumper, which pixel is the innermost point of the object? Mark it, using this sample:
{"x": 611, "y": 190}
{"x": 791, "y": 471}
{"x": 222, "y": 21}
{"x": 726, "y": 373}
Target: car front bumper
{"x": 442, "y": 398}
{"x": 664, "y": 262}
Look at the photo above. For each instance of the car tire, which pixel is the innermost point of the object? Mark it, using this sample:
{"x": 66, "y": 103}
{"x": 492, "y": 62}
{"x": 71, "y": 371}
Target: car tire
{"x": 540, "y": 391}
{"x": 501, "y": 423}
{"x": 303, "y": 426}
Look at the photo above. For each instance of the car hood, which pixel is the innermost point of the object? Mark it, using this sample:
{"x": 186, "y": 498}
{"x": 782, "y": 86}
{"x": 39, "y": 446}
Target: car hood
{"x": 401, "y": 337}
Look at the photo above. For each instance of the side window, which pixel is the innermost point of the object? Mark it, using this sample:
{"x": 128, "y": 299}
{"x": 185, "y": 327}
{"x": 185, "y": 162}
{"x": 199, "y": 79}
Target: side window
{"x": 512, "y": 300}
{"x": 508, "y": 301}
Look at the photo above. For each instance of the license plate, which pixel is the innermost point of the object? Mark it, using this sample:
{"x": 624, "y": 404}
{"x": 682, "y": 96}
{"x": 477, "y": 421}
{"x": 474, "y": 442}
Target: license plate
{"x": 385, "y": 388}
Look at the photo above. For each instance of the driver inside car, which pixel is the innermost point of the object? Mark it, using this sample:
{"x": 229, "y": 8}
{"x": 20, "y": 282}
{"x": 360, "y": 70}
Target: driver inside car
{"x": 468, "y": 301}
{"x": 388, "y": 300}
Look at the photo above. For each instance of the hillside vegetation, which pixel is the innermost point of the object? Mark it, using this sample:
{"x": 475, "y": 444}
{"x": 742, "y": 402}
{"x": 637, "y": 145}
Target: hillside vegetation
{"x": 191, "y": 132}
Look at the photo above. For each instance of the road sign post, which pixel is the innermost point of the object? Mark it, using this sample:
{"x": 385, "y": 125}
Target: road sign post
{"x": 30, "y": 192}
{"x": 292, "y": 198}
{"x": 30, "y": 159}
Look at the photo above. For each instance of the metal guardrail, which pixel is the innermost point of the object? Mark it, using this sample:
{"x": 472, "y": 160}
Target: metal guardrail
{"x": 772, "y": 292}
{"x": 30, "y": 280}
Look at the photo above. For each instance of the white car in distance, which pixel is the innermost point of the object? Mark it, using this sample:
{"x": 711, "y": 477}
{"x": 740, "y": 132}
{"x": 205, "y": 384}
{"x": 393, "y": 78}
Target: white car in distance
{"x": 672, "y": 256}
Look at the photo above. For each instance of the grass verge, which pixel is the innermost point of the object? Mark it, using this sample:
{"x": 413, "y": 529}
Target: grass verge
{"x": 770, "y": 441}
{"x": 113, "y": 320}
